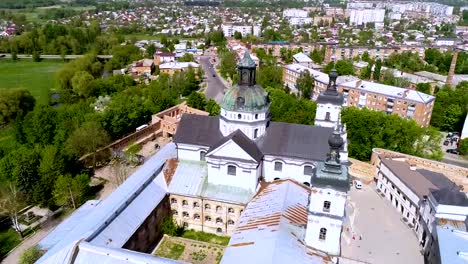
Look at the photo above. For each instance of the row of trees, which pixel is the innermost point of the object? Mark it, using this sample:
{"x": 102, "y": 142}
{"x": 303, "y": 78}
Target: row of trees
{"x": 369, "y": 129}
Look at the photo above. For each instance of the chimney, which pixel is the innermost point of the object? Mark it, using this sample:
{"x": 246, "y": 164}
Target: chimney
{"x": 449, "y": 81}
{"x": 358, "y": 83}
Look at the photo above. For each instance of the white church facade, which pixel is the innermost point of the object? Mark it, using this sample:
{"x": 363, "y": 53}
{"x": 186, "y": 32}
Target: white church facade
{"x": 227, "y": 158}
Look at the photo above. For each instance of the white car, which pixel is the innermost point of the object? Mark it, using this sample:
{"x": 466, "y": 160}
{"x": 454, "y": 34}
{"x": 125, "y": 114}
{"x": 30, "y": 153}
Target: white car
{"x": 358, "y": 184}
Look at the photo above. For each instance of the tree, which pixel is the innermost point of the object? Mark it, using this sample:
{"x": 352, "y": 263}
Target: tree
{"x": 365, "y": 56}
{"x": 151, "y": 50}
{"x": 270, "y": 76}
{"x": 227, "y": 66}
{"x": 119, "y": 173}
{"x": 87, "y": 139}
{"x": 343, "y": 67}
{"x": 450, "y": 108}
{"x": 237, "y": 35}
{"x": 463, "y": 146}
{"x": 212, "y": 107}
{"x": 187, "y": 57}
{"x": 288, "y": 108}
{"x": 196, "y": 100}
{"x": 423, "y": 88}
{"x": 70, "y": 191}
{"x": 132, "y": 152}
{"x": 31, "y": 255}
{"x": 82, "y": 84}
{"x": 15, "y": 104}
{"x": 38, "y": 126}
{"x": 52, "y": 165}
{"x": 11, "y": 203}
{"x": 305, "y": 84}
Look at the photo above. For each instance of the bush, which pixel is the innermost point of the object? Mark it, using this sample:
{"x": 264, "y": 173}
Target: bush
{"x": 31, "y": 255}
{"x": 464, "y": 146}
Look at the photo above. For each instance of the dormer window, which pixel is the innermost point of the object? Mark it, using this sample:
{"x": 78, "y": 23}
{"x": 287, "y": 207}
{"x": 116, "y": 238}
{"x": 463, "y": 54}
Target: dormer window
{"x": 231, "y": 170}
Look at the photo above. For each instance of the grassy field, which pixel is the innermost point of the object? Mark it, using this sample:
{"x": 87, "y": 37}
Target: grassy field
{"x": 8, "y": 240}
{"x": 37, "y": 77}
{"x": 206, "y": 237}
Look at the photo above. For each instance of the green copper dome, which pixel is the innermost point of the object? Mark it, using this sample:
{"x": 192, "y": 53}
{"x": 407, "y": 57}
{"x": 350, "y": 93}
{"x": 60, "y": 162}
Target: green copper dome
{"x": 245, "y": 99}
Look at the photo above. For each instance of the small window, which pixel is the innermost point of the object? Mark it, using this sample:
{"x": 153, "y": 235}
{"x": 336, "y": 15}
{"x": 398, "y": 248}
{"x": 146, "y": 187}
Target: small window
{"x": 196, "y": 205}
{"x": 185, "y": 214}
{"x": 219, "y": 230}
{"x": 219, "y": 209}
{"x": 307, "y": 170}
{"x": 275, "y": 179}
{"x": 256, "y": 116}
{"x": 231, "y": 170}
{"x": 196, "y": 216}
{"x": 219, "y": 220}
{"x": 207, "y": 207}
{"x": 202, "y": 155}
{"x": 175, "y": 212}
{"x": 207, "y": 218}
{"x": 326, "y": 206}
{"x": 327, "y": 116}
{"x": 323, "y": 233}
{"x": 278, "y": 166}
{"x": 184, "y": 203}
{"x": 230, "y": 222}
{"x": 239, "y": 116}
{"x": 230, "y": 210}
{"x": 306, "y": 184}
{"x": 173, "y": 201}
{"x": 256, "y": 133}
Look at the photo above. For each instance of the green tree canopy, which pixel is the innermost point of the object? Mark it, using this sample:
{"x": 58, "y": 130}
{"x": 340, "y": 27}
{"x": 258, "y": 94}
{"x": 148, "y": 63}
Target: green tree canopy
{"x": 15, "y": 104}
{"x": 70, "y": 191}
{"x": 187, "y": 57}
{"x": 305, "y": 84}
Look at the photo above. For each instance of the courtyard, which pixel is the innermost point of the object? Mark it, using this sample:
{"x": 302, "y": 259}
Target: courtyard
{"x": 374, "y": 233}
{"x": 188, "y": 250}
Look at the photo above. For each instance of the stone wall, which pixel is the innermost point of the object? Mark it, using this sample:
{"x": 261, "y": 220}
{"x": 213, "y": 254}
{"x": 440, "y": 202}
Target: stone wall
{"x": 149, "y": 233}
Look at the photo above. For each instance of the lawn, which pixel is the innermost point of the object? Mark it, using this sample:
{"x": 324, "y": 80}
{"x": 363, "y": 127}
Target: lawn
{"x": 37, "y": 77}
{"x": 206, "y": 237}
{"x": 8, "y": 240}
{"x": 190, "y": 251}
{"x": 170, "y": 249}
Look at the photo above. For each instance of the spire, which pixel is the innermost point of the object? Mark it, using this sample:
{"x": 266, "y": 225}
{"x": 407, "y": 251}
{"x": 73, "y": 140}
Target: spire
{"x": 331, "y": 88}
{"x": 247, "y": 61}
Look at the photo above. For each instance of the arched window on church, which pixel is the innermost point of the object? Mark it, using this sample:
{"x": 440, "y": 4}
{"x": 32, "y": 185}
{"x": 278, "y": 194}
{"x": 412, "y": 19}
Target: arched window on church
{"x": 202, "y": 155}
{"x": 231, "y": 170}
{"x": 327, "y": 116}
{"x": 256, "y": 133}
{"x": 307, "y": 170}
{"x": 323, "y": 234}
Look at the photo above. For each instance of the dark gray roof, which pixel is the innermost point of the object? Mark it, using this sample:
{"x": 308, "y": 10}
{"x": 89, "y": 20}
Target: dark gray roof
{"x": 413, "y": 179}
{"x": 198, "y": 130}
{"x": 336, "y": 177}
{"x": 293, "y": 140}
{"x": 438, "y": 179}
{"x": 450, "y": 196}
{"x": 336, "y": 99}
{"x": 242, "y": 141}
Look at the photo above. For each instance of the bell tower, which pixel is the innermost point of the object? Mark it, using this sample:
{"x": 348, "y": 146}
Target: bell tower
{"x": 329, "y": 104}
{"x": 245, "y": 105}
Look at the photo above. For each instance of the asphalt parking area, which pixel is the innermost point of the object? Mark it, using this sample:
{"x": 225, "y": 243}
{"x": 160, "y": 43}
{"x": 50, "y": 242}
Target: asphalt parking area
{"x": 374, "y": 233}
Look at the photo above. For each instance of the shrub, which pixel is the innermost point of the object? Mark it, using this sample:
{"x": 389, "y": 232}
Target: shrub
{"x": 31, "y": 255}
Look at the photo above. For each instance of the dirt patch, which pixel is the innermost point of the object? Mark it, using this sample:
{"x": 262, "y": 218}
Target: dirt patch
{"x": 188, "y": 250}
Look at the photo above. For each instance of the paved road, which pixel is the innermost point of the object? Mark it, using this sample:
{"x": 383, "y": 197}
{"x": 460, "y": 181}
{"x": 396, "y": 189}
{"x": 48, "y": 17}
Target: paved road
{"x": 452, "y": 158}
{"x": 385, "y": 238}
{"x": 51, "y": 56}
{"x": 215, "y": 87}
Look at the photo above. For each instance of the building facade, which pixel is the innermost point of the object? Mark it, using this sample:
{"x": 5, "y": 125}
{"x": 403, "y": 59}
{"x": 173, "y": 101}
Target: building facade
{"x": 230, "y": 29}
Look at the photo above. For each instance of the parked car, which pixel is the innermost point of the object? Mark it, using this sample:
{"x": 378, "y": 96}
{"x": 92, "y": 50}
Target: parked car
{"x": 455, "y": 134}
{"x": 446, "y": 142}
{"x": 358, "y": 184}
{"x": 453, "y": 151}
{"x": 214, "y": 75}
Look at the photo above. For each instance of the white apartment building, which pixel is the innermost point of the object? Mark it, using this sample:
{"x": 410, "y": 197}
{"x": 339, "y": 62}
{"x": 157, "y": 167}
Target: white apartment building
{"x": 299, "y": 21}
{"x": 362, "y": 16}
{"x": 230, "y": 29}
{"x": 295, "y": 13}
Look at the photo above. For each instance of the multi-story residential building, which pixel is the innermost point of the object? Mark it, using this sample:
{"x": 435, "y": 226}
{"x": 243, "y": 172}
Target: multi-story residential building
{"x": 363, "y": 16}
{"x": 292, "y": 71}
{"x": 302, "y": 59}
{"x": 173, "y": 67}
{"x": 230, "y": 29}
{"x": 429, "y": 203}
{"x": 390, "y": 99}
{"x": 295, "y": 13}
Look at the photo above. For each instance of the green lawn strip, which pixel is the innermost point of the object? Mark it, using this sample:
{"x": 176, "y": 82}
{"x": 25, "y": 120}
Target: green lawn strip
{"x": 8, "y": 240}
{"x": 206, "y": 237}
{"x": 37, "y": 77}
{"x": 169, "y": 249}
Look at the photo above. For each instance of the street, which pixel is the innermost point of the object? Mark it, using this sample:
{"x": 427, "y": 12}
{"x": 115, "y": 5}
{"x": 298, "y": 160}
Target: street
{"x": 452, "y": 158}
{"x": 215, "y": 87}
